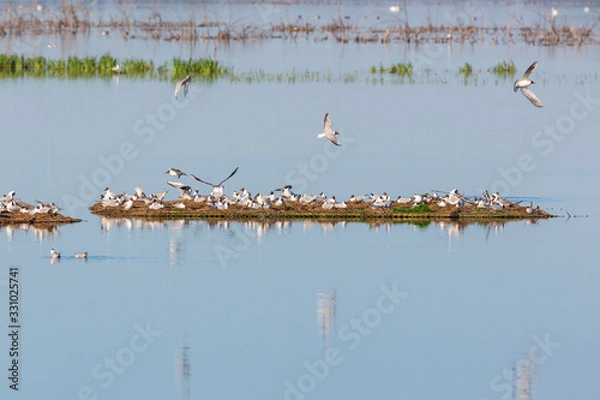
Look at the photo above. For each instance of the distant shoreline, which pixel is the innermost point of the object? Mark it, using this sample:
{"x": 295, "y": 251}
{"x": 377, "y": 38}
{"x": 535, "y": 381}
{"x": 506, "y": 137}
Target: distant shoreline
{"x": 70, "y": 19}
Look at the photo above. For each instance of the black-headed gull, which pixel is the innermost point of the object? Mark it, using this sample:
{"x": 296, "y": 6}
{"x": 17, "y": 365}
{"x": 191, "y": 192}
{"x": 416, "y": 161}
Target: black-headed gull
{"x": 218, "y": 188}
{"x": 185, "y": 83}
{"x": 54, "y": 254}
{"x": 328, "y": 132}
{"x": 175, "y": 172}
{"x": 523, "y": 83}
{"x": 286, "y": 191}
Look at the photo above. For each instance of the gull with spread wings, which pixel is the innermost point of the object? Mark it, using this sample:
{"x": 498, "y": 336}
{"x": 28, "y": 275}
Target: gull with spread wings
{"x": 185, "y": 83}
{"x": 328, "y": 132}
{"x": 175, "y": 172}
{"x": 523, "y": 84}
{"x": 218, "y": 188}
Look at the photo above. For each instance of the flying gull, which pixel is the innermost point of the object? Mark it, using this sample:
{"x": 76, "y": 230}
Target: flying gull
{"x": 328, "y": 132}
{"x": 218, "y": 188}
{"x": 523, "y": 84}
{"x": 175, "y": 172}
{"x": 185, "y": 82}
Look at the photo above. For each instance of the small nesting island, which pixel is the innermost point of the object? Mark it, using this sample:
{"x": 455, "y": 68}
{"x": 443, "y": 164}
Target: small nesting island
{"x": 239, "y": 206}
{"x": 15, "y": 211}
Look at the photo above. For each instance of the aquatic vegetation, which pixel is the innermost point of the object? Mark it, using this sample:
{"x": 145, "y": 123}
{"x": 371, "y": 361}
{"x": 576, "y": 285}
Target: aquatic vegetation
{"x": 504, "y": 68}
{"x": 107, "y": 66}
{"x": 466, "y": 69}
{"x": 205, "y": 68}
{"x": 400, "y": 69}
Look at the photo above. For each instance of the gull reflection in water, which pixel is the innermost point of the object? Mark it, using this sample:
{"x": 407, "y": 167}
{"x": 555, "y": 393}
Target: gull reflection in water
{"x": 375, "y": 225}
{"x": 182, "y": 368}
{"x": 493, "y": 227}
{"x": 108, "y": 224}
{"x": 326, "y": 301}
{"x": 39, "y": 233}
{"x": 453, "y": 229}
{"x": 326, "y": 226}
{"x": 175, "y": 229}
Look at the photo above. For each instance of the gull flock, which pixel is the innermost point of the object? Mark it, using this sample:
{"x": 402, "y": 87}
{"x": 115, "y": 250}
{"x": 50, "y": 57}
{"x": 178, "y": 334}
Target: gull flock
{"x": 217, "y": 199}
{"x": 9, "y": 204}
{"x": 281, "y": 198}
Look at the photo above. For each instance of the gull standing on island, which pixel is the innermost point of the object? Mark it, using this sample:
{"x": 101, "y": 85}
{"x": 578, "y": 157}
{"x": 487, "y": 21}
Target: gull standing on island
{"x": 523, "y": 83}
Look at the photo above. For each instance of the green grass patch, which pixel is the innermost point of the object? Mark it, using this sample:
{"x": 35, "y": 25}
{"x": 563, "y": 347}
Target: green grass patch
{"x": 205, "y": 68}
{"x": 466, "y": 69}
{"x": 400, "y": 69}
{"x": 504, "y": 68}
{"x": 12, "y": 66}
{"x": 421, "y": 208}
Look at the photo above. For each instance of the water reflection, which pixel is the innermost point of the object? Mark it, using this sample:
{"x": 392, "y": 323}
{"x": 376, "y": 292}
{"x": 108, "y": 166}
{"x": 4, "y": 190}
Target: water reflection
{"x": 108, "y": 224}
{"x": 175, "y": 240}
{"x": 375, "y": 225}
{"x": 227, "y": 242}
{"x": 40, "y": 233}
{"x": 326, "y": 303}
{"x": 522, "y": 379}
{"x": 182, "y": 367}
{"x": 257, "y": 231}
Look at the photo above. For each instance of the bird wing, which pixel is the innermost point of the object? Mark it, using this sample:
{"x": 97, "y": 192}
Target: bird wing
{"x": 178, "y": 87}
{"x": 531, "y": 68}
{"x": 185, "y": 82}
{"x": 333, "y": 139}
{"x": 230, "y": 175}
{"x": 531, "y": 97}
{"x": 327, "y": 123}
{"x": 177, "y": 185}
{"x": 200, "y": 180}
{"x": 184, "y": 189}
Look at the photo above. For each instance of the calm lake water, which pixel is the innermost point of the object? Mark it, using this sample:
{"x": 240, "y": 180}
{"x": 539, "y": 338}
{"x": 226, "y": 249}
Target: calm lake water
{"x": 300, "y": 310}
